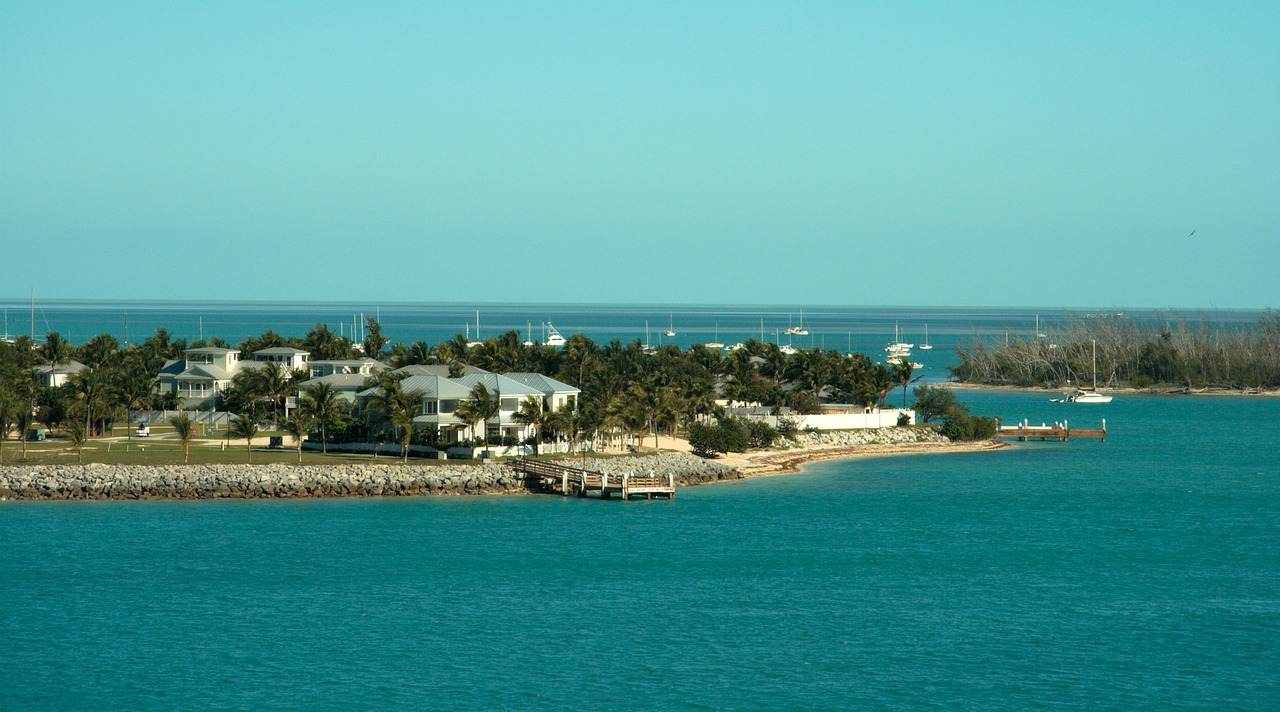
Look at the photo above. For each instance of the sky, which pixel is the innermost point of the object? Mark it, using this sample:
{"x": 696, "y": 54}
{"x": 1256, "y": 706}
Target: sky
{"x": 934, "y": 154}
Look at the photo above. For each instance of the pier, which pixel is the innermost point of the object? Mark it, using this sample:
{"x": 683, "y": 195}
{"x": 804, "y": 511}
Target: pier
{"x": 1057, "y": 431}
{"x": 574, "y": 481}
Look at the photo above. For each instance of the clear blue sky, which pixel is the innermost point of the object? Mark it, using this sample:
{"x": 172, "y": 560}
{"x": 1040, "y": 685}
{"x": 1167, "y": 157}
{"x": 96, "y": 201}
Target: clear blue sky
{"x": 965, "y": 153}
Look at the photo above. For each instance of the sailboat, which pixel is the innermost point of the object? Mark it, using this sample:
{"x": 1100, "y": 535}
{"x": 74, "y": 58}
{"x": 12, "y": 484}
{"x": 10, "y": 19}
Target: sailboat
{"x": 798, "y": 330}
{"x": 6, "y": 338}
{"x": 553, "y": 337}
{"x": 647, "y": 348}
{"x": 528, "y": 334}
{"x": 926, "y": 345}
{"x": 671, "y": 324}
{"x": 898, "y": 347}
{"x": 472, "y": 343}
{"x": 1090, "y": 396}
{"x": 716, "y": 344}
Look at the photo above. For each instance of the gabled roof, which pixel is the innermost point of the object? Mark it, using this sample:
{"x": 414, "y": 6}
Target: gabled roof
{"x": 204, "y": 372}
{"x": 436, "y": 387}
{"x": 214, "y": 350}
{"x": 492, "y": 381}
{"x": 66, "y": 367}
{"x": 280, "y": 351}
{"x": 546, "y": 384}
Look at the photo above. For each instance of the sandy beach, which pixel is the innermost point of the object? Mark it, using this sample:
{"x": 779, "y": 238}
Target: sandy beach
{"x": 765, "y": 463}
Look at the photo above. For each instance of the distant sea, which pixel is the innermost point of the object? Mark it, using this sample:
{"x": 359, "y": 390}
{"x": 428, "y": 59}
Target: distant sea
{"x": 1139, "y": 574}
{"x": 864, "y": 329}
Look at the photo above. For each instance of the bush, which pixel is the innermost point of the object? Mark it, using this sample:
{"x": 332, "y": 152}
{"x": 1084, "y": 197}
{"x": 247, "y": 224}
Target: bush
{"x": 711, "y": 440}
{"x": 960, "y": 426}
{"x": 760, "y": 434}
{"x": 903, "y": 420}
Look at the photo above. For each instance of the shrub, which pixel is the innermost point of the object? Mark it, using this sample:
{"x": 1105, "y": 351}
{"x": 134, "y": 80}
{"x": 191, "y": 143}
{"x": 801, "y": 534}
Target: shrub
{"x": 760, "y": 434}
{"x": 903, "y": 420}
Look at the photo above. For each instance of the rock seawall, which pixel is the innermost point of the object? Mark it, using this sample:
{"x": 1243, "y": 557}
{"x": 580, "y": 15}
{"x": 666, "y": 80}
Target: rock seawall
{"x": 251, "y": 481}
{"x": 95, "y": 481}
{"x": 688, "y": 469}
{"x": 877, "y": 436}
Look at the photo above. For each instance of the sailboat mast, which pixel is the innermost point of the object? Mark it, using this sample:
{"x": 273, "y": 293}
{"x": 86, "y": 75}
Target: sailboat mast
{"x": 1095, "y": 364}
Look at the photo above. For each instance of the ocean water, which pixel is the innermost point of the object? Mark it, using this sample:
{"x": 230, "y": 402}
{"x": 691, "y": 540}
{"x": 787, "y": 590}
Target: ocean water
{"x": 1143, "y": 573}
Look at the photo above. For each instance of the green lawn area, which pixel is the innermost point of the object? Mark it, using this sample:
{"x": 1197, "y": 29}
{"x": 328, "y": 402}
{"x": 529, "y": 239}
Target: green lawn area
{"x": 148, "y": 451}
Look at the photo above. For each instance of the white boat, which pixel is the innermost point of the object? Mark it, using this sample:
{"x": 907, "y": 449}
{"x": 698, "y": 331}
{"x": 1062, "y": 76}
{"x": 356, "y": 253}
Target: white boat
{"x": 898, "y": 346}
{"x": 553, "y": 337}
{"x": 926, "y": 346}
{"x": 788, "y": 349}
{"x": 716, "y": 344}
{"x": 528, "y": 334}
{"x": 738, "y": 346}
{"x": 1089, "y": 396}
{"x": 798, "y": 330}
{"x": 671, "y": 325}
{"x": 472, "y": 343}
{"x": 647, "y": 348}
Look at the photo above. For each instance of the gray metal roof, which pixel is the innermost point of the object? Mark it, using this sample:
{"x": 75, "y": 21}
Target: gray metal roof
{"x": 216, "y": 350}
{"x": 340, "y": 381}
{"x": 493, "y": 381}
{"x": 437, "y": 369}
{"x": 280, "y": 351}
{"x": 437, "y": 387}
{"x": 546, "y": 384}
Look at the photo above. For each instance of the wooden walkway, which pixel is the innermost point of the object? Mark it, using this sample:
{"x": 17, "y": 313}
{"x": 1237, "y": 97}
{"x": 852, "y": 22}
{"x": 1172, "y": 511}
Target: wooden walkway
{"x": 566, "y": 481}
{"x": 1057, "y": 431}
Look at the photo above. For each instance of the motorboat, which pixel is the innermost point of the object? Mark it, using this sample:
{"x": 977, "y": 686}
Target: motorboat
{"x": 553, "y": 337}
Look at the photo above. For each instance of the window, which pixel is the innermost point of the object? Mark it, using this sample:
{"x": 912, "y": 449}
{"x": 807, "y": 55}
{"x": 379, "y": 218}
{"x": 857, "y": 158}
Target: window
{"x": 430, "y": 407}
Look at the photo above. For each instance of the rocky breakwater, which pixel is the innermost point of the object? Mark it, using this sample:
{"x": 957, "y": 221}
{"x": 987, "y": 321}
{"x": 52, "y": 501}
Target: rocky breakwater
{"x": 251, "y": 481}
{"x": 688, "y": 469}
{"x": 876, "y": 436}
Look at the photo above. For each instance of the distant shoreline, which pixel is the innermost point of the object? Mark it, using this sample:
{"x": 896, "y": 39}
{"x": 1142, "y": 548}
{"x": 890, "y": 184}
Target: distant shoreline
{"x": 1171, "y": 391}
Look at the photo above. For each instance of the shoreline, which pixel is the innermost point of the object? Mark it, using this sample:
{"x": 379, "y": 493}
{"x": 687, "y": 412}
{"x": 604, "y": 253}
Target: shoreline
{"x": 277, "y": 481}
{"x": 962, "y": 386}
{"x": 770, "y": 463}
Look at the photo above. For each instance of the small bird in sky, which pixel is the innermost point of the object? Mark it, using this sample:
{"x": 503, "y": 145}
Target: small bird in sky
{"x": 1191, "y": 233}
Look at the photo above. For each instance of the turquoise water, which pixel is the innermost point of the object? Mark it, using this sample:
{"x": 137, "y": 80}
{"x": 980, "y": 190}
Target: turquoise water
{"x": 1139, "y": 574}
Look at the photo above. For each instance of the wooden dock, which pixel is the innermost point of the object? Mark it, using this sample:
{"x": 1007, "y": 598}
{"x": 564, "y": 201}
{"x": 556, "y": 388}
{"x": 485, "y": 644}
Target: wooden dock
{"x": 574, "y": 481}
{"x": 1057, "y": 431}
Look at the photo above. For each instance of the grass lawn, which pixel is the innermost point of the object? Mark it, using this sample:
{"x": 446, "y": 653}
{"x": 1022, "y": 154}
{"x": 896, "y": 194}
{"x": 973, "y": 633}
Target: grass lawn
{"x": 144, "y": 451}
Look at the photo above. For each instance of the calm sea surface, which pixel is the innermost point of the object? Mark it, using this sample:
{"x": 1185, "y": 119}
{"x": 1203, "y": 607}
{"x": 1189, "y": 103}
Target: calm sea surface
{"x": 1139, "y": 574}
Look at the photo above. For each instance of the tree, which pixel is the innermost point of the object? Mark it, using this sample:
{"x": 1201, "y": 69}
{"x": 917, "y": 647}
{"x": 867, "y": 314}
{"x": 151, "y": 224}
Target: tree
{"x": 374, "y": 341}
{"x": 9, "y": 409}
{"x": 533, "y": 413}
{"x": 298, "y": 424}
{"x": 902, "y": 372}
{"x": 321, "y": 402}
{"x": 185, "y": 428}
{"x": 76, "y": 432}
{"x": 91, "y": 388}
{"x": 932, "y": 402}
{"x": 481, "y": 407}
{"x": 242, "y": 426}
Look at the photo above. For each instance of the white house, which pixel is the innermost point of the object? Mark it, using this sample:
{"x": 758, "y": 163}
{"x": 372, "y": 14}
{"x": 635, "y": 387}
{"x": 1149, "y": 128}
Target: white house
{"x": 53, "y": 376}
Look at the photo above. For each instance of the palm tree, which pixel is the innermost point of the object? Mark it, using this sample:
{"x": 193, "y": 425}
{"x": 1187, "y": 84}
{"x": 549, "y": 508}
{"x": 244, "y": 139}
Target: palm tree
{"x": 902, "y": 376}
{"x": 185, "y": 428}
{"x": 55, "y": 349}
{"x": 91, "y": 386}
{"x": 9, "y": 408}
{"x": 481, "y": 407}
{"x": 297, "y": 425}
{"x": 76, "y": 432}
{"x": 242, "y": 426}
{"x": 321, "y": 402}
{"x": 401, "y": 409}
{"x": 533, "y": 413}
{"x": 275, "y": 383}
